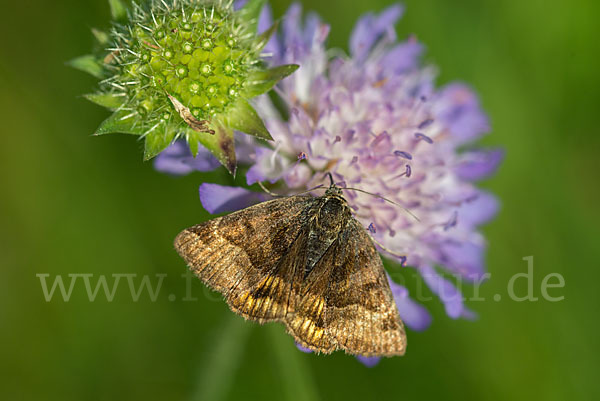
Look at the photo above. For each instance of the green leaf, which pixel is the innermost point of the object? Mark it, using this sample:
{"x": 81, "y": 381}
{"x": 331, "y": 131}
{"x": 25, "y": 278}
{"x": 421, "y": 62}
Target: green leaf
{"x": 109, "y": 100}
{"x": 101, "y": 36}
{"x": 250, "y": 13}
{"x": 262, "y": 39}
{"x": 118, "y": 10}
{"x": 158, "y": 140}
{"x": 262, "y": 81}
{"x": 220, "y": 144}
{"x": 89, "y": 64}
{"x": 243, "y": 117}
{"x": 119, "y": 122}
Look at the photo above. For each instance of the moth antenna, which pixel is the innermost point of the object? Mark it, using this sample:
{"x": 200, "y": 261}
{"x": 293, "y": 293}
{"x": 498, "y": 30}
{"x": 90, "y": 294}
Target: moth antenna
{"x": 283, "y": 196}
{"x": 311, "y": 189}
{"x": 401, "y": 257}
{"x": 387, "y": 200}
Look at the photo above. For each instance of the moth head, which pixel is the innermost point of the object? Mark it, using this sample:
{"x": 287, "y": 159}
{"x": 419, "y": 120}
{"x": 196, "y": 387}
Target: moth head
{"x": 334, "y": 190}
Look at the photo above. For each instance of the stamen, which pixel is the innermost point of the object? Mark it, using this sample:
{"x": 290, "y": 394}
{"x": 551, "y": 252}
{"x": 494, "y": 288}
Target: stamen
{"x": 407, "y": 173}
{"x": 424, "y": 137}
{"x": 403, "y": 154}
{"x": 426, "y": 123}
{"x": 379, "y": 138}
{"x": 452, "y": 222}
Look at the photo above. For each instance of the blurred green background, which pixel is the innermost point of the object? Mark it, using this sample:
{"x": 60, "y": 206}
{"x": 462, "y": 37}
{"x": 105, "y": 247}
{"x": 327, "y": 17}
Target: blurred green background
{"x": 72, "y": 203}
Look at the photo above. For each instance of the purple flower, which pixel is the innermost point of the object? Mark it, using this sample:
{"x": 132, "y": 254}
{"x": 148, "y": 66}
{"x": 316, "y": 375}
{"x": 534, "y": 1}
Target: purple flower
{"x": 376, "y": 121}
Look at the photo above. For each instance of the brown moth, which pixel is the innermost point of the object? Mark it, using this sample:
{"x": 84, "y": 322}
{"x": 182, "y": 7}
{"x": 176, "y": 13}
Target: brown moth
{"x": 303, "y": 261}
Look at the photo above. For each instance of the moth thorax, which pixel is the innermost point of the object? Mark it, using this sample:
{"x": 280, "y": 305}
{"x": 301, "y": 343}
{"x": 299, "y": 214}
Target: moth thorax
{"x": 333, "y": 214}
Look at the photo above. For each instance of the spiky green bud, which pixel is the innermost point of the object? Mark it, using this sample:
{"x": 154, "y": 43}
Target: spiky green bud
{"x": 183, "y": 69}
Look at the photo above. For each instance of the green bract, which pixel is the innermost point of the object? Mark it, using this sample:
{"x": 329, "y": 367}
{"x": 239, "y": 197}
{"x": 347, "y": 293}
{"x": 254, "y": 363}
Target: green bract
{"x": 183, "y": 69}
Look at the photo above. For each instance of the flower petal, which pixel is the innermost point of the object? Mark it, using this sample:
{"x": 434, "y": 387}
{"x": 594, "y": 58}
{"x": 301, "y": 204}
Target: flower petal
{"x": 368, "y": 361}
{"x": 403, "y": 57}
{"x": 297, "y": 176}
{"x": 445, "y": 290}
{"x": 469, "y": 314}
{"x": 266, "y": 18}
{"x": 369, "y": 29}
{"x": 464, "y": 258}
{"x": 178, "y": 160}
{"x": 459, "y": 110}
{"x": 218, "y": 198}
{"x": 303, "y": 349}
{"x": 268, "y": 166}
{"x": 292, "y": 31}
{"x": 413, "y": 314}
{"x": 478, "y": 165}
{"x": 480, "y": 210}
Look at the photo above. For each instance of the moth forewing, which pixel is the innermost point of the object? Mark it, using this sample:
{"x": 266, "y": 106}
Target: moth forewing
{"x": 306, "y": 262}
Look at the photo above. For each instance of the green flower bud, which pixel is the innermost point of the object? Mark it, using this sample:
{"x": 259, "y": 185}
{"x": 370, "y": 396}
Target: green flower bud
{"x": 183, "y": 69}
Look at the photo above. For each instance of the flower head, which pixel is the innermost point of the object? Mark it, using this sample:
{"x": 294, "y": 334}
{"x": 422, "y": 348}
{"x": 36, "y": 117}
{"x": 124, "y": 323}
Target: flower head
{"x": 183, "y": 69}
{"x": 376, "y": 122}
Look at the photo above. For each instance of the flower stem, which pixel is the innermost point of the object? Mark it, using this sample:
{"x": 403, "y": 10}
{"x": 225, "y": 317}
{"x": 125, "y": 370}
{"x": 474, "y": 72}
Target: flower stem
{"x": 222, "y": 360}
{"x": 297, "y": 381}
